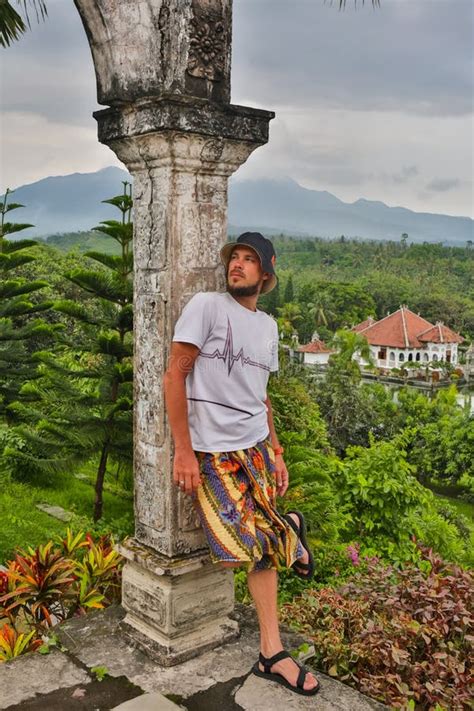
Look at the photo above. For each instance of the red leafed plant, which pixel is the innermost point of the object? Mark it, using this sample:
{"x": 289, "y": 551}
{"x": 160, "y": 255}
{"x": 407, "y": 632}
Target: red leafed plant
{"x": 53, "y": 582}
{"x": 403, "y": 637}
{"x": 41, "y": 584}
{"x": 13, "y": 643}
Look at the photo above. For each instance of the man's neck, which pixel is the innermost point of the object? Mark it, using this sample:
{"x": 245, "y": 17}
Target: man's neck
{"x": 248, "y": 302}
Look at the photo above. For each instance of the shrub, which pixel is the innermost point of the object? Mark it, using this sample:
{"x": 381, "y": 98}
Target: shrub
{"x": 403, "y": 637}
{"x": 13, "y": 643}
{"x": 378, "y": 487}
{"x": 52, "y": 583}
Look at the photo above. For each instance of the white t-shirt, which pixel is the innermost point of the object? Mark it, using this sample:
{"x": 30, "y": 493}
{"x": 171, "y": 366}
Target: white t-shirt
{"x": 227, "y": 388}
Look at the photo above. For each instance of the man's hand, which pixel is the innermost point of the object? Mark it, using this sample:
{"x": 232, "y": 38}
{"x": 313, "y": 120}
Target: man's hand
{"x": 281, "y": 475}
{"x": 186, "y": 473}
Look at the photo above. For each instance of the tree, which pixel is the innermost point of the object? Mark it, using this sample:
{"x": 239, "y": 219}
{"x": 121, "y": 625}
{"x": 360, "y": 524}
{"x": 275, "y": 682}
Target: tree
{"x": 353, "y": 412}
{"x": 289, "y": 293}
{"x": 82, "y": 407}
{"x": 289, "y": 314}
{"x": 13, "y": 23}
{"x": 378, "y": 484}
{"x": 271, "y": 302}
{"x": 349, "y": 344}
{"x": 20, "y": 330}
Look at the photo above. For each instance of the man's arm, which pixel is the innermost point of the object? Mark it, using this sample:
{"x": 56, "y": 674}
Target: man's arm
{"x": 281, "y": 472}
{"x": 185, "y": 465}
{"x": 271, "y": 424}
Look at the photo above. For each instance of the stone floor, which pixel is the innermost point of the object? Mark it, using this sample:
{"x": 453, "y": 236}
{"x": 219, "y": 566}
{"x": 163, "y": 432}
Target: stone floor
{"x": 218, "y": 680}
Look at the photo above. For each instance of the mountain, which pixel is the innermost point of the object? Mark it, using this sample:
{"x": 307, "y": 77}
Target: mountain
{"x": 68, "y": 203}
{"x": 285, "y": 206}
{"x": 73, "y": 202}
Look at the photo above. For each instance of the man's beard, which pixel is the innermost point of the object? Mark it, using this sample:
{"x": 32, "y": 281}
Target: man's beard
{"x": 250, "y": 290}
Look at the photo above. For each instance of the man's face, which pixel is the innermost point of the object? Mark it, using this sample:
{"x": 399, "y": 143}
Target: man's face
{"x": 245, "y": 276}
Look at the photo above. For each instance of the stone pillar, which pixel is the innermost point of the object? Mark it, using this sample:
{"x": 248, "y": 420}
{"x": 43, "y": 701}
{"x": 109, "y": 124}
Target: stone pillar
{"x": 163, "y": 67}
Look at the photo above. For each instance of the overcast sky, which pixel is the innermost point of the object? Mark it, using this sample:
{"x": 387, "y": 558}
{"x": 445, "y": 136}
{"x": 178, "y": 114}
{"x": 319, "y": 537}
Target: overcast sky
{"x": 374, "y": 104}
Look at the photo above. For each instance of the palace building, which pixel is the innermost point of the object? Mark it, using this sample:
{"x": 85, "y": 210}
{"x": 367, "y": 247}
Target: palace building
{"x": 404, "y": 337}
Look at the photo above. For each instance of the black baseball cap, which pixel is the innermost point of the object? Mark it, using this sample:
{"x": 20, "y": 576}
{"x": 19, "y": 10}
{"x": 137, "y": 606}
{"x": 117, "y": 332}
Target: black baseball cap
{"x": 264, "y": 249}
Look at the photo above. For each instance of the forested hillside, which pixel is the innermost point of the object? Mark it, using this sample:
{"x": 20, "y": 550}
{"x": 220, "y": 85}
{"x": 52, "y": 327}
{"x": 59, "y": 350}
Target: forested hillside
{"x": 340, "y": 282}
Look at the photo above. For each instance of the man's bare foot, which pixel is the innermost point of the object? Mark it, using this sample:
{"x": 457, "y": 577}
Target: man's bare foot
{"x": 305, "y": 557}
{"x": 289, "y": 669}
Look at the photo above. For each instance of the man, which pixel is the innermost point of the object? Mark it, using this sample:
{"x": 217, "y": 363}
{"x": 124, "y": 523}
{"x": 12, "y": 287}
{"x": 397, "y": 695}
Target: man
{"x": 227, "y": 454}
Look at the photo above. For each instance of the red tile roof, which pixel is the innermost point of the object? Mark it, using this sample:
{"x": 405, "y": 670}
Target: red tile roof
{"x": 315, "y": 347}
{"x": 440, "y": 334}
{"x": 365, "y": 324}
{"x": 405, "y": 329}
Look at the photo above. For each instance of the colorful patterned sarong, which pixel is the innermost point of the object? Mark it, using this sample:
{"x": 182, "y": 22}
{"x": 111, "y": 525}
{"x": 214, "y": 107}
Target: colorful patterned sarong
{"x": 236, "y": 505}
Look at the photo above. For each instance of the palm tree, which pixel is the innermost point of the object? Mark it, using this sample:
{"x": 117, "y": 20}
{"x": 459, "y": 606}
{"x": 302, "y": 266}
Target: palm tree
{"x": 348, "y": 344}
{"x": 13, "y": 23}
{"x": 289, "y": 314}
{"x": 318, "y": 310}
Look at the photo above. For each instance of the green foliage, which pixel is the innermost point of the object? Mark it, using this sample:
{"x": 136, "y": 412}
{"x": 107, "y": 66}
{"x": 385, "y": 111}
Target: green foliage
{"x": 100, "y": 672}
{"x": 94, "y": 372}
{"x": 289, "y": 315}
{"x": 371, "y": 498}
{"x": 55, "y": 581}
{"x": 24, "y": 525}
{"x": 440, "y": 436}
{"x": 398, "y": 636}
{"x": 13, "y": 644}
{"x": 294, "y": 409}
{"x": 354, "y": 279}
{"x": 380, "y": 489}
{"x": 353, "y": 412}
{"x": 270, "y": 302}
{"x": 21, "y": 331}
{"x": 289, "y": 294}
{"x": 13, "y": 24}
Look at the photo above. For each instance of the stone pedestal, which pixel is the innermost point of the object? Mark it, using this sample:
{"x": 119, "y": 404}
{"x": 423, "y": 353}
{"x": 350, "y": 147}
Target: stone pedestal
{"x": 176, "y": 608}
{"x": 163, "y": 67}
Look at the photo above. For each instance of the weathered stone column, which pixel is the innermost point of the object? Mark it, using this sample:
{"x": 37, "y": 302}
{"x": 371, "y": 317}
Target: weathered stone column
{"x": 163, "y": 67}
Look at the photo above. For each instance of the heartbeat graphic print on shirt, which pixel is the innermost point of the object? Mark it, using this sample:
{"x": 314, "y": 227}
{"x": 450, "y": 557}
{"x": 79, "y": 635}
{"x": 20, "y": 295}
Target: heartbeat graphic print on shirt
{"x": 228, "y": 355}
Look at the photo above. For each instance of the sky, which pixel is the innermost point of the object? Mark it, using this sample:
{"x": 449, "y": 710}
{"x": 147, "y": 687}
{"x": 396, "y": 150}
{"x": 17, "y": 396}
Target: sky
{"x": 374, "y": 104}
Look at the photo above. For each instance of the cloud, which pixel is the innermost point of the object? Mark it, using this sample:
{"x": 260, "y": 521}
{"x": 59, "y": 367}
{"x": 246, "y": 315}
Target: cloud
{"x": 386, "y": 156}
{"x": 407, "y": 173}
{"x": 371, "y": 103}
{"x": 414, "y": 56}
{"x": 442, "y": 185}
{"x": 43, "y": 148}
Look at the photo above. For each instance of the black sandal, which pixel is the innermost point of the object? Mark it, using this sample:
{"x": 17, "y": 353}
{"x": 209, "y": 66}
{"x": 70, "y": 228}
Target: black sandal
{"x": 279, "y": 678}
{"x": 301, "y": 533}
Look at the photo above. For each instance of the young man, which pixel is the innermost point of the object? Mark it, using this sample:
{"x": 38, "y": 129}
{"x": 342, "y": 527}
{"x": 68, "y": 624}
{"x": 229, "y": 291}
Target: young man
{"x": 227, "y": 454}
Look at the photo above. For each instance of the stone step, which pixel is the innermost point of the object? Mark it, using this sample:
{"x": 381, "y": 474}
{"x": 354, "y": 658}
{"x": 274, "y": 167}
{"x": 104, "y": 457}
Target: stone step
{"x": 148, "y": 702}
{"x": 218, "y": 680}
{"x": 56, "y": 512}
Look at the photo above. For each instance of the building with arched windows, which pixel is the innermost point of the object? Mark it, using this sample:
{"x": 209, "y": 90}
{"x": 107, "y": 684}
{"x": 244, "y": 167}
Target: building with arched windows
{"x": 404, "y": 337}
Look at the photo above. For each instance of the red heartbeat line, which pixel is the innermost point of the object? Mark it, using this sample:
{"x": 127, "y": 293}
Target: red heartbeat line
{"x": 229, "y": 357}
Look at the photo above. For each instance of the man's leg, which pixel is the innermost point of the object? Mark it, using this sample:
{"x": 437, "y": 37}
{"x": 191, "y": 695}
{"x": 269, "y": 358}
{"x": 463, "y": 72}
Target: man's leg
{"x": 263, "y": 586}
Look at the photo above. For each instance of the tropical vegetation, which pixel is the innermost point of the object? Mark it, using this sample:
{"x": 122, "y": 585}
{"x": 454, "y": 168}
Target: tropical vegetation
{"x": 387, "y": 487}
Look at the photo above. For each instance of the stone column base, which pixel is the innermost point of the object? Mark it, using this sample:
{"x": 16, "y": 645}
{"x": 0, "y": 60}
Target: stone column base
{"x": 177, "y": 608}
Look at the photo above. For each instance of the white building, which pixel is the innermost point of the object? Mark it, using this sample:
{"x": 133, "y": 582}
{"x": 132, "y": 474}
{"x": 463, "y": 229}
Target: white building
{"x": 404, "y": 337}
{"x": 316, "y": 352}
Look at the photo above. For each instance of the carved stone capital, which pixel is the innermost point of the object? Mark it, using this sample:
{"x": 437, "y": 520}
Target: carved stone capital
{"x": 173, "y": 114}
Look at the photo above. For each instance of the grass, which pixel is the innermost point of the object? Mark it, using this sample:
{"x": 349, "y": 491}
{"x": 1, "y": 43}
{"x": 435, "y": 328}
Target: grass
{"x": 461, "y": 506}
{"x": 24, "y": 525}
